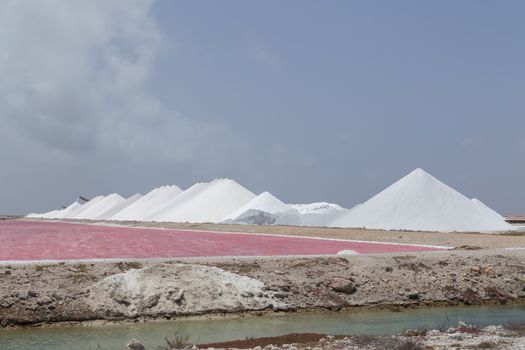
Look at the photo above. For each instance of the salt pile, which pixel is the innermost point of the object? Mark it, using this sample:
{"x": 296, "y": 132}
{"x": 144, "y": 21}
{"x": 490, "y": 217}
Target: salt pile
{"x": 168, "y": 210}
{"x": 119, "y": 207}
{"x": 74, "y": 214}
{"x": 99, "y": 208}
{"x": 265, "y": 202}
{"x": 48, "y": 215}
{"x": 420, "y": 202}
{"x": 147, "y": 204}
{"x": 487, "y": 211}
{"x": 212, "y": 203}
{"x": 319, "y": 214}
{"x": 316, "y": 208}
{"x": 68, "y": 210}
{"x": 313, "y": 214}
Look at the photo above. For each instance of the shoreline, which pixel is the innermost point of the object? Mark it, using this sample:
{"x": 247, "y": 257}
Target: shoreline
{"x": 255, "y": 314}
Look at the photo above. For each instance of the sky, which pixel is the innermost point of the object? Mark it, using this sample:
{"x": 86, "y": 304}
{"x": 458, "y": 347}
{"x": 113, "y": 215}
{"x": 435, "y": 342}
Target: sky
{"x": 310, "y": 100}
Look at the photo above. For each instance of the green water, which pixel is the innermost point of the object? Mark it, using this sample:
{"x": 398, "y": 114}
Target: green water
{"x": 152, "y": 334}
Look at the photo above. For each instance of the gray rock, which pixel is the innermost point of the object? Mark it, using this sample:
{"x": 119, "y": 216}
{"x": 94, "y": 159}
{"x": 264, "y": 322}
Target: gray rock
{"x": 135, "y": 345}
{"x": 343, "y": 285}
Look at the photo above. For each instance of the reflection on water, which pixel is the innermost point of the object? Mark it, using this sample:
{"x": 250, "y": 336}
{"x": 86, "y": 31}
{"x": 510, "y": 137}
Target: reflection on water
{"x": 152, "y": 334}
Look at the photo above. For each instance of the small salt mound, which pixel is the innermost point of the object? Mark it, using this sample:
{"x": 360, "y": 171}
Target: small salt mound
{"x": 168, "y": 210}
{"x": 265, "y": 202}
{"x": 47, "y": 215}
{"x": 68, "y": 210}
{"x": 315, "y": 208}
{"x": 347, "y": 252}
{"x": 218, "y": 199}
{"x": 119, "y": 207}
{"x": 100, "y": 207}
{"x": 319, "y": 214}
{"x": 254, "y": 217}
{"x": 420, "y": 202}
{"x": 487, "y": 211}
{"x": 147, "y": 204}
{"x": 74, "y": 214}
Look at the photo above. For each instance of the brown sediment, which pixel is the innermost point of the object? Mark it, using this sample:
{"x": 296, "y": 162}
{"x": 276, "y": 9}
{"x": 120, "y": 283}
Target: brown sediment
{"x": 300, "y": 338}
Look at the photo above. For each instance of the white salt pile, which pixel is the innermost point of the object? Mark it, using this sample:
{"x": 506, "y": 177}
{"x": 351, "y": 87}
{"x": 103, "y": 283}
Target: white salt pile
{"x": 119, "y": 207}
{"x": 147, "y": 204}
{"x": 48, "y": 215}
{"x": 420, "y": 202}
{"x": 417, "y": 202}
{"x": 168, "y": 210}
{"x": 487, "y": 211}
{"x": 265, "y": 202}
{"x": 210, "y": 202}
{"x": 319, "y": 214}
{"x": 68, "y": 210}
{"x": 107, "y": 203}
{"x": 74, "y": 214}
{"x": 315, "y": 208}
{"x": 313, "y": 214}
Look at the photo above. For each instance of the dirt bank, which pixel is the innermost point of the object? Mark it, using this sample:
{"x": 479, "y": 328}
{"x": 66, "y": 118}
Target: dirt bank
{"x": 32, "y": 294}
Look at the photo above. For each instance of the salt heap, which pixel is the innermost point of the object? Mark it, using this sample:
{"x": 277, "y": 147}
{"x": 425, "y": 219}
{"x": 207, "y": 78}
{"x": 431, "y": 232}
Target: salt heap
{"x": 265, "y": 209}
{"x": 487, "y": 211}
{"x": 265, "y": 202}
{"x": 207, "y": 203}
{"x": 420, "y": 202}
{"x": 119, "y": 207}
{"x": 47, "y": 215}
{"x": 94, "y": 211}
{"x": 169, "y": 209}
{"x": 74, "y": 214}
{"x": 68, "y": 210}
{"x": 319, "y": 214}
{"x": 147, "y": 204}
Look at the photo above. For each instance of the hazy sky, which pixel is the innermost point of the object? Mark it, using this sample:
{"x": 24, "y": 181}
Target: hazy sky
{"x": 310, "y": 100}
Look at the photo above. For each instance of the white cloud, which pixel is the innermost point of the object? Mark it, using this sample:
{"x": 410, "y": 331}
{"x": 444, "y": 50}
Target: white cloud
{"x": 74, "y": 76}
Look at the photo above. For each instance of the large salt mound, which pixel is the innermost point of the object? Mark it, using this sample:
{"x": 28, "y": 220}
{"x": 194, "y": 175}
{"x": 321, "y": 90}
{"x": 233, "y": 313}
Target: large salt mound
{"x": 67, "y": 211}
{"x": 420, "y": 202}
{"x": 100, "y": 207}
{"x": 215, "y": 201}
{"x": 74, "y": 214}
{"x": 119, "y": 207}
{"x": 169, "y": 209}
{"x": 147, "y": 204}
{"x": 265, "y": 202}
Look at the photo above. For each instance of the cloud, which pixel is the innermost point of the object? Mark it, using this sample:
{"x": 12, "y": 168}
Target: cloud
{"x": 74, "y": 77}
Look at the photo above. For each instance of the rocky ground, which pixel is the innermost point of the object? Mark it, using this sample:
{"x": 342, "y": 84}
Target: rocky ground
{"x": 460, "y": 337}
{"x": 31, "y": 294}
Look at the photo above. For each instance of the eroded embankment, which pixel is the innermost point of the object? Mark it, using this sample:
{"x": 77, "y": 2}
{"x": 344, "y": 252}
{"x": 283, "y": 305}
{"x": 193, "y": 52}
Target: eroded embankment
{"x": 32, "y": 294}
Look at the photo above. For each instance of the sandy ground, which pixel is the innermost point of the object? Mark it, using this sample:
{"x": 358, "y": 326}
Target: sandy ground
{"x": 516, "y": 239}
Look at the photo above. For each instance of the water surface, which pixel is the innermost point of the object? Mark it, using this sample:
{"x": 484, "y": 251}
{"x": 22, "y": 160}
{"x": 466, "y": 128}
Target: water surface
{"x": 152, "y": 334}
